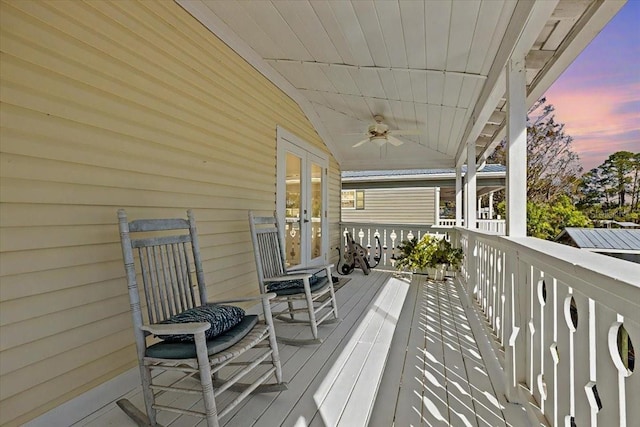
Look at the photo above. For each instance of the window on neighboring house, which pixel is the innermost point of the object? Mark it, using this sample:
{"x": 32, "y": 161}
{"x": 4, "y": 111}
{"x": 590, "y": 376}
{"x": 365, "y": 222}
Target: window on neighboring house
{"x": 353, "y": 199}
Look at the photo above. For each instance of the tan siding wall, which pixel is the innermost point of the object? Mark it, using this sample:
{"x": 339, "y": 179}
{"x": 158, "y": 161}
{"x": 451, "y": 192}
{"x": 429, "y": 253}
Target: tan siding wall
{"x": 395, "y": 206}
{"x": 334, "y": 189}
{"x": 107, "y": 105}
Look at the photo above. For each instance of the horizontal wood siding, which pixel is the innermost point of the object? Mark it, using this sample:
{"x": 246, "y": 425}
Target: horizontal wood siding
{"x": 107, "y": 105}
{"x": 395, "y": 206}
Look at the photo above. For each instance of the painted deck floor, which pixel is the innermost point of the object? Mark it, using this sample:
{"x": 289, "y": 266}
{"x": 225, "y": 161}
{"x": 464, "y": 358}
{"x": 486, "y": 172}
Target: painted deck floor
{"x": 405, "y": 340}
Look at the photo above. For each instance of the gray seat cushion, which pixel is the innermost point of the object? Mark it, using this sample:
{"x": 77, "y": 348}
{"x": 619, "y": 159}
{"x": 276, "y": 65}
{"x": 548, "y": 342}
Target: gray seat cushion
{"x": 187, "y": 350}
{"x": 297, "y": 286}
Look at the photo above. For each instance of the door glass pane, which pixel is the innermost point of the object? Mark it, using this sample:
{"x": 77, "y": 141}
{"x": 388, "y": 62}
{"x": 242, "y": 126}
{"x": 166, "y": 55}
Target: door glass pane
{"x": 293, "y": 204}
{"x": 316, "y": 210}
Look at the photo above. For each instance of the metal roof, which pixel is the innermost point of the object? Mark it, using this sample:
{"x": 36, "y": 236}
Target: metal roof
{"x": 488, "y": 168}
{"x": 604, "y": 238}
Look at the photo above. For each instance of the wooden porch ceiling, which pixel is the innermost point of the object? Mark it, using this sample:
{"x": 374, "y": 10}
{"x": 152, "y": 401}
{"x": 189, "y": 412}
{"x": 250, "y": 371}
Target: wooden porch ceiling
{"x": 435, "y": 66}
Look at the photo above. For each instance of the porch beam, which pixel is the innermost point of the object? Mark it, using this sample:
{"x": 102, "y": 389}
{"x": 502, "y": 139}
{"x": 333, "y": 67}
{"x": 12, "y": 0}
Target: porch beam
{"x": 516, "y": 191}
{"x": 526, "y": 23}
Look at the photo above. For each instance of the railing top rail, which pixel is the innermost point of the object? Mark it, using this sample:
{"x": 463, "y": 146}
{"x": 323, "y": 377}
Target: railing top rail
{"x": 424, "y": 227}
{"x": 387, "y": 225}
{"x": 482, "y": 232}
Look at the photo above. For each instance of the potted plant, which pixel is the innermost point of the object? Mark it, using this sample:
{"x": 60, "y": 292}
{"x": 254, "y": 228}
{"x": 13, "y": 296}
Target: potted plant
{"x": 415, "y": 255}
{"x": 446, "y": 258}
{"x": 431, "y": 254}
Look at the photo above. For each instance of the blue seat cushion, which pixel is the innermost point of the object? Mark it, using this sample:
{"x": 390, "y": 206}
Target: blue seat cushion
{"x": 292, "y": 287}
{"x": 187, "y": 350}
{"x": 221, "y": 317}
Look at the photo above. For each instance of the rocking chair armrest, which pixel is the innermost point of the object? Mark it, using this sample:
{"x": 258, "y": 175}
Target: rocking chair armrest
{"x": 176, "y": 328}
{"x": 307, "y": 268}
{"x": 288, "y": 277}
{"x": 269, "y": 295}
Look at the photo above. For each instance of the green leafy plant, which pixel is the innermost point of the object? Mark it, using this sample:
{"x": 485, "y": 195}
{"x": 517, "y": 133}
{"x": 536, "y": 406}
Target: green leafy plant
{"x": 428, "y": 252}
{"x": 446, "y": 254}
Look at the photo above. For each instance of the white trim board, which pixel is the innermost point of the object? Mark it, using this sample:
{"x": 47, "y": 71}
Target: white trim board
{"x": 287, "y": 142}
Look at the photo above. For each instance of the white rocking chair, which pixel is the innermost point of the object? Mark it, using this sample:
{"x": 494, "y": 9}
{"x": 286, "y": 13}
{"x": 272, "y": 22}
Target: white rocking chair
{"x": 304, "y": 284}
{"x": 172, "y": 294}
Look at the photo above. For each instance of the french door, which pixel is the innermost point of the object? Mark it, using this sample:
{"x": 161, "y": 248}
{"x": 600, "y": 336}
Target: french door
{"x": 302, "y": 200}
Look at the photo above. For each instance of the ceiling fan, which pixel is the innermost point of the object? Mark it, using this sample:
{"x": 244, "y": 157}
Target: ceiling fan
{"x": 379, "y": 133}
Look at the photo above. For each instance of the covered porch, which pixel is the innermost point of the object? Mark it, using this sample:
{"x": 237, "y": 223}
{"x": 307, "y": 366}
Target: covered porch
{"x": 160, "y": 107}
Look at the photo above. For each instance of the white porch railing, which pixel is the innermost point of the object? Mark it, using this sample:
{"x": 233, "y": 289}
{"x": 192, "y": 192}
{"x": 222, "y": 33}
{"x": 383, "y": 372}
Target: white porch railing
{"x": 494, "y": 225}
{"x": 558, "y": 311}
{"x": 390, "y": 236}
{"x": 447, "y": 222}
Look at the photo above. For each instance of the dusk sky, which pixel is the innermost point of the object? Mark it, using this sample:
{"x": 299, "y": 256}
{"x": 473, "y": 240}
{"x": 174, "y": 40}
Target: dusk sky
{"x": 598, "y": 96}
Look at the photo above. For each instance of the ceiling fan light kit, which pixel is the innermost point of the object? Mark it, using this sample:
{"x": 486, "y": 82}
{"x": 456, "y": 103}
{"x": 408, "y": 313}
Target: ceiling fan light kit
{"x": 378, "y": 140}
{"x": 379, "y": 134}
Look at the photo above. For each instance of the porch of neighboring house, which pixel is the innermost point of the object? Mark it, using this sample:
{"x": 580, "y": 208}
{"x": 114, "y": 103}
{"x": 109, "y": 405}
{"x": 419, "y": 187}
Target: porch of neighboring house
{"x": 423, "y": 197}
{"x": 405, "y": 353}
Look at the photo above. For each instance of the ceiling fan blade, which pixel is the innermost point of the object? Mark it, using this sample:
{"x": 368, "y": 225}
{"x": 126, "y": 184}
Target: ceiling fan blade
{"x": 361, "y": 142}
{"x": 394, "y": 141}
{"x": 406, "y": 132}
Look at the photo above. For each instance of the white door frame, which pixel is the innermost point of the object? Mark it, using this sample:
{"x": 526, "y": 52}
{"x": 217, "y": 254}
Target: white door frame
{"x": 288, "y": 142}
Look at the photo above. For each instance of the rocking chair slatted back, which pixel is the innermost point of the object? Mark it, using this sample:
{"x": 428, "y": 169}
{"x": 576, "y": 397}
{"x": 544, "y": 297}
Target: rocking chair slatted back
{"x": 167, "y": 280}
{"x": 270, "y": 258}
{"x": 167, "y": 267}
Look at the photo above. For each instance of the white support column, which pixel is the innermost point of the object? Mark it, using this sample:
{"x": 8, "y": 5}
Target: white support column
{"x": 470, "y": 220}
{"x": 516, "y": 222}
{"x": 470, "y": 187}
{"x": 437, "y": 205}
{"x": 459, "y": 196}
{"x": 480, "y": 207}
{"x": 491, "y": 205}
{"x": 516, "y": 190}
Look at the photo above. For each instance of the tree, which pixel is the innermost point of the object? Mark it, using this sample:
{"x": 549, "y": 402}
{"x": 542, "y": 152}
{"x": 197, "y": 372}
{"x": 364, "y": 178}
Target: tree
{"x": 618, "y": 167}
{"x": 547, "y": 220}
{"x": 613, "y": 186}
{"x": 635, "y": 189}
{"x": 553, "y": 171}
{"x": 553, "y": 167}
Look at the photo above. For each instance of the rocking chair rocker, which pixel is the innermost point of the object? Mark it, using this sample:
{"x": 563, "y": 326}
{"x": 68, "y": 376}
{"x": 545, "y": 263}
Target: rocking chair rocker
{"x": 177, "y": 311}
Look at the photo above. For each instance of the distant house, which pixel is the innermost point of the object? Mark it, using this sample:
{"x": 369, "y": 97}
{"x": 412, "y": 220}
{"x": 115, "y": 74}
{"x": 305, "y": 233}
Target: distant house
{"x": 412, "y": 196}
{"x": 616, "y": 242}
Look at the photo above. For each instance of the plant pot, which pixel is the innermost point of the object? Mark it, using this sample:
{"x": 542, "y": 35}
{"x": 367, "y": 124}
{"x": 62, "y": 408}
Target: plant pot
{"x": 437, "y": 273}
